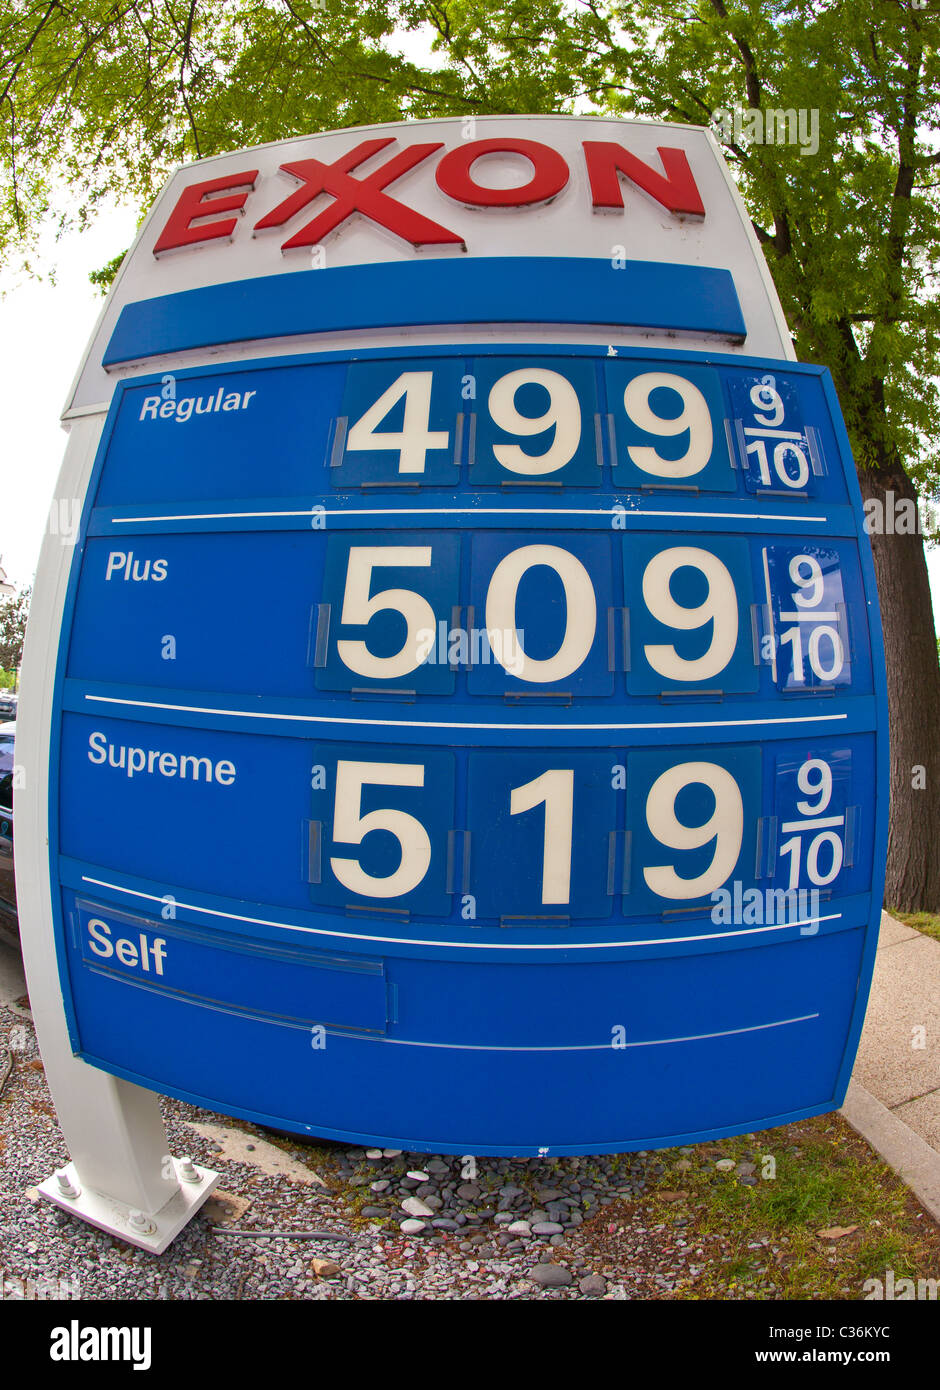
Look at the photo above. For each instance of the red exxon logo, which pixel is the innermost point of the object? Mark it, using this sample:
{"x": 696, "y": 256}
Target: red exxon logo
{"x": 607, "y": 162}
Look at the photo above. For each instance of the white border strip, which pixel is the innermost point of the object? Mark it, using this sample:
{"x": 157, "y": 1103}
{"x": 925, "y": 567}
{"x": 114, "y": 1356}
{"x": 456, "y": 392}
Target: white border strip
{"x": 599, "y": 1047}
{"x": 443, "y": 724}
{"x": 461, "y": 945}
{"x": 469, "y": 511}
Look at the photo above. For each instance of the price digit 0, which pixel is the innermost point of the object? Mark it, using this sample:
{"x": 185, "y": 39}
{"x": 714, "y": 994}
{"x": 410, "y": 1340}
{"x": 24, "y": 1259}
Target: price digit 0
{"x": 581, "y": 613}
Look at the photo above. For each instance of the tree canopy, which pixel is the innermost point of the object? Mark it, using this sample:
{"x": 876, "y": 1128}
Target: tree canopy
{"x": 14, "y": 611}
{"x": 104, "y": 97}
{"x": 107, "y": 96}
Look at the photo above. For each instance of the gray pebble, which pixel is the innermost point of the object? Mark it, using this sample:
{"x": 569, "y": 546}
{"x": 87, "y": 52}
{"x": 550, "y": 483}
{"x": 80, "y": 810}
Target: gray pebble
{"x": 593, "y": 1286}
{"x": 551, "y": 1276}
{"x": 415, "y": 1207}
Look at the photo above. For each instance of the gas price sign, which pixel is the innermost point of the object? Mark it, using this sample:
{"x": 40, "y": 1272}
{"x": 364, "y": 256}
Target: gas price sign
{"x": 467, "y": 726}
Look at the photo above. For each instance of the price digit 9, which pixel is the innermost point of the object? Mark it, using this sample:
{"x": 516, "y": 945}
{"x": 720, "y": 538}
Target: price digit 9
{"x": 563, "y": 415}
{"x": 767, "y": 398}
{"x": 719, "y": 607}
{"x": 694, "y": 417}
{"x": 819, "y": 785}
{"x": 810, "y": 586}
{"x": 725, "y": 826}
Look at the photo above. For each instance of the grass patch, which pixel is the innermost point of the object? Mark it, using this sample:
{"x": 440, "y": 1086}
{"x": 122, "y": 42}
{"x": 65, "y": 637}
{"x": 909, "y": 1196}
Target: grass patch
{"x": 814, "y": 1176}
{"x": 926, "y": 922}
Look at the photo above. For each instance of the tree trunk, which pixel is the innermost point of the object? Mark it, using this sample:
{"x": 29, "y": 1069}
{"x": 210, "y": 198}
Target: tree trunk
{"x": 913, "y": 871}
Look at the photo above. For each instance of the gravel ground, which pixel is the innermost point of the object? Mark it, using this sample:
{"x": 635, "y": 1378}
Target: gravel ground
{"x": 417, "y": 1226}
{"x": 406, "y": 1225}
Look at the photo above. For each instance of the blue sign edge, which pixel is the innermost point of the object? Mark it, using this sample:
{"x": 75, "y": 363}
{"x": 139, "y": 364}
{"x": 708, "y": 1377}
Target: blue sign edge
{"x": 395, "y": 294}
{"x": 866, "y": 967}
{"x": 431, "y": 1146}
{"x": 882, "y": 744}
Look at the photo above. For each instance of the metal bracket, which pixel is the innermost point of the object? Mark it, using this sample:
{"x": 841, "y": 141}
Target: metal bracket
{"x": 151, "y": 1231}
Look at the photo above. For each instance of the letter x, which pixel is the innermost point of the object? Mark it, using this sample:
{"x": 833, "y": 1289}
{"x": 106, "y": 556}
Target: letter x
{"x": 357, "y": 195}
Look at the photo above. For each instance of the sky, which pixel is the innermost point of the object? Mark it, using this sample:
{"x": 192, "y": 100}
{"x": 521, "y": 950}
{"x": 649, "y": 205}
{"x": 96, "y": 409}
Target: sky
{"x": 44, "y": 329}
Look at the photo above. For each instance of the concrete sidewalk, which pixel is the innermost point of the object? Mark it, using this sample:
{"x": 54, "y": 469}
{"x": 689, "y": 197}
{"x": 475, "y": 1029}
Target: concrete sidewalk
{"x": 894, "y": 1098}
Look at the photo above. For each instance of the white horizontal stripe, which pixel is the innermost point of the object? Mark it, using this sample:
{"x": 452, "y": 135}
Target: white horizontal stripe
{"x": 823, "y": 824}
{"x": 774, "y": 434}
{"x": 441, "y": 724}
{"x": 458, "y": 945}
{"x": 809, "y": 615}
{"x": 469, "y": 511}
{"x": 597, "y": 1047}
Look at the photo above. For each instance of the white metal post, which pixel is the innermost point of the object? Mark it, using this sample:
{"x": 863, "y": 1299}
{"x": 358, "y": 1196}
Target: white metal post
{"x": 121, "y": 1177}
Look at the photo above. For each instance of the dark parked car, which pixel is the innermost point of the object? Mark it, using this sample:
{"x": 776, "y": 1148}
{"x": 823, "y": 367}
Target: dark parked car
{"x": 7, "y": 704}
{"x": 7, "y": 886}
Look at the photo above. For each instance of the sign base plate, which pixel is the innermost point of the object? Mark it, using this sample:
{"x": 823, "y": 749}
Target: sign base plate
{"x": 150, "y": 1231}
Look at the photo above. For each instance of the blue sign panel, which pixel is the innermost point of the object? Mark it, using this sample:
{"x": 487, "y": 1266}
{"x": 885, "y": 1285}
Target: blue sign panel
{"x": 474, "y": 751}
